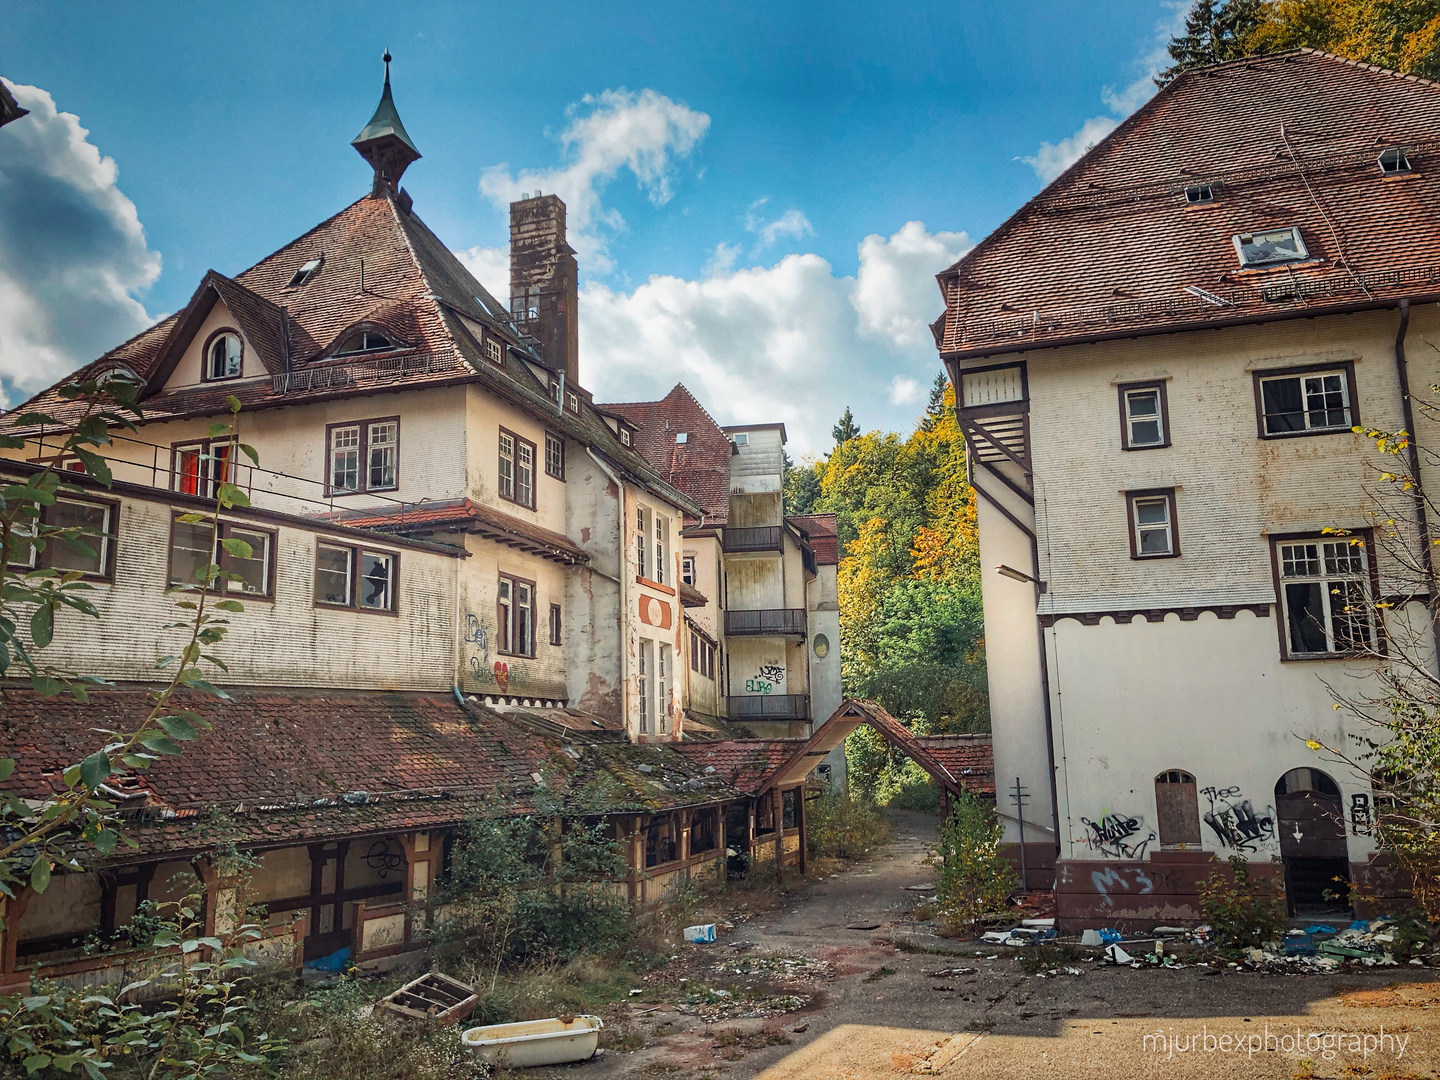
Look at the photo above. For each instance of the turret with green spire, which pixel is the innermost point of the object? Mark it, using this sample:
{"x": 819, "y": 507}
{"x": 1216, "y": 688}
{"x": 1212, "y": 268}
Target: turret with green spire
{"x": 385, "y": 143}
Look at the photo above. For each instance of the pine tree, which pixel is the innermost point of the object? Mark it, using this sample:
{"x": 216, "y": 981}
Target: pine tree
{"x": 1214, "y": 32}
{"x": 846, "y": 429}
{"x": 935, "y": 407}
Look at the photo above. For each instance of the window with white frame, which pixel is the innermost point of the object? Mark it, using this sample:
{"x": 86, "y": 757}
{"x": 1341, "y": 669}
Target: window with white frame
{"x": 517, "y": 469}
{"x": 223, "y": 356}
{"x": 554, "y": 456}
{"x": 364, "y": 455}
{"x": 347, "y": 576}
{"x": 662, "y": 546}
{"x": 1325, "y": 587}
{"x": 1304, "y": 403}
{"x": 662, "y": 687}
{"x": 1153, "y": 533}
{"x": 245, "y": 556}
{"x": 87, "y": 543}
{"x": 642, "y": 542}
{"x": 645, "y": 661}
{"x": 687, "y": 570}
{"x": 494, "y": 352}
{"x": 515, "y": 604}
{"x": 1144, "y": 416}
{"x": 198, "y": 468}
{"x": 1271, "y": 247}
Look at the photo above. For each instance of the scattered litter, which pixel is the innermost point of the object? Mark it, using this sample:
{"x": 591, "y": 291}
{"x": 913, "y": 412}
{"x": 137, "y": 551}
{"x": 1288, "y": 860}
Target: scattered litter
{"x": 1171, "y": 931}
{"x": 1091, "y": 938}
{"x": 742, "y": 944}
{"x": 713, "y": 1005}
{"x": 700, "y": 935}
{"x": 636, "y": 993}
{"x": 800, "y": 1029}
{"x": 1319, "y": 928}
{"x": 1038, "y": 924}
{"x": 777, "y": 967}
{"x": 1301, "y": 946}
{"x": 947, "y": 973}
{"x": 1116, "y": 955}
{"x": 919, "y": 888}
{"x": 995, "y": 957}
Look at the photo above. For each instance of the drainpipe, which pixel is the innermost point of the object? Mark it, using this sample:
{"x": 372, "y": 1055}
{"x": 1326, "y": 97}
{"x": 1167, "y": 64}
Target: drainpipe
{"x": 459, "y": 655}
{"x": 1427, "y": 558}
{"x": 624, "y": 589}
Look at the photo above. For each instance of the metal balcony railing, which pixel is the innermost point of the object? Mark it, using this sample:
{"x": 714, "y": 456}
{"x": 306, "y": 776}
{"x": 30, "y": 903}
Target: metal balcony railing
{"x": 770, "y": 707}
{"x": 771, "y": 621}
{"x": 762, "y": 538}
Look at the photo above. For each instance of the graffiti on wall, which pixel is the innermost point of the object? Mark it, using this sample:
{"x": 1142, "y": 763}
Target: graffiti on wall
{"x": 1118, "y": 836}
{"x": 1361, "y": 821}
{"x": 1139, "y": 881}
{"x": 766, "y": 679}
{"x": 1234, "y": 821}
{"x": 475, "y": 635}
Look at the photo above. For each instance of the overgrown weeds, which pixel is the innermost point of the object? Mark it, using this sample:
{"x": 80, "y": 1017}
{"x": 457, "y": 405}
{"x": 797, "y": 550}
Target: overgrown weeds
{"x": 1244, "y": 911}
{"x": 975, "y": 880}
{"x": 1044, "y": 957}
{"x": 844, "y": 824}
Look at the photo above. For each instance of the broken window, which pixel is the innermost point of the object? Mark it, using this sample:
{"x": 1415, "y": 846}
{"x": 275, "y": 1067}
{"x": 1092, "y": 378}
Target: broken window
{"x": 704, "y": 831}
{"x": 515, "y": 601}
{"x": 1270, "y": 248}
{"x": 1199, "y": 193}
{"x": 355, "y": 577}
{"x": 790, "y": 808}
{"x": 644, "y": 664}
{"x": 662, "y": 840}
{"x": 554, "y": 624}
{"x": 1152, "y": 524}
{"x": 1325, "y": 588}
{"x": 1305, "y": 403}
{"x": 305, "y": 273}
{"x": 1177, "y": 808}
{"x": 223, "y": 357}
{"x": 1394, "y": 161}
{"x": 517, "y": 469}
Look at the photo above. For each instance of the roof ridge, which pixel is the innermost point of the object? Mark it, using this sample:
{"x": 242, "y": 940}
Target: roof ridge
{"x": 430, "y": 296}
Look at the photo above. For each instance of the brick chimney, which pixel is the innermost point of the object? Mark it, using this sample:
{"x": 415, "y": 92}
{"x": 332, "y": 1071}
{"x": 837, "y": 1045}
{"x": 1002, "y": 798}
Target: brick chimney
{"x": 544, "y": 290}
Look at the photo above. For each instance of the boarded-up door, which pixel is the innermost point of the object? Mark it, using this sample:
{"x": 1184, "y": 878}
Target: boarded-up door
{"x": 1177, "y": 807}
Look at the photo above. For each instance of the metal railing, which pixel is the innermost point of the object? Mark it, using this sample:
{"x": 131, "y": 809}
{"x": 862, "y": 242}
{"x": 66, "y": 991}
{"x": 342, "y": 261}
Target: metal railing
{"x": 770, "y": 707}
{"x": 762, "y": 538}
{"x": 767, "y": 621}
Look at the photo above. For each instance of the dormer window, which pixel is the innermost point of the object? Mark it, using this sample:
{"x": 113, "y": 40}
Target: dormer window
{"x": 366, "y": 341}
{"x": 494, "y": 352}
{"x": 1196, "y": 194}
{"x": 572, "y": 402}
{"x": 624, "y": 436}
{"x": 1270, "y": 248}
{"x": 305, "y": 273}
{"x": 223, "y": 356}
{"x": 1393, "y": 162}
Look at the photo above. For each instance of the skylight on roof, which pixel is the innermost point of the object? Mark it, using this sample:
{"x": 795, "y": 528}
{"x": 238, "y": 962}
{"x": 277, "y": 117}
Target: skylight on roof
{"x": 682, "y": 437}
{"x": 305, "y": 273}
{"x": 1199, "y": 193}
{"x": 1270, "y": 248}
{"x": 1394, "y": 161}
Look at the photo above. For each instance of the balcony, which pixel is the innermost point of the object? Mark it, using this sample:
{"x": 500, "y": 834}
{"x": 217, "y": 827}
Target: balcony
{"x": 771, "y": 622}
{"x": 763, "y": 538}
{"x": 770, "y": 707}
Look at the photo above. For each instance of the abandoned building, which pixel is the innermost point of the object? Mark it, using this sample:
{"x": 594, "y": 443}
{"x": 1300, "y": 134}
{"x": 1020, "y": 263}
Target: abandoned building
{"x": 1159, "y": 361}
{"x": 469, "y": 591}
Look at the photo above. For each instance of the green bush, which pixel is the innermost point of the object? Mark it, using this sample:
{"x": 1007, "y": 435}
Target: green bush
{"x": 1243, "y": 911}
{"x": 843, "y": 824}
{"x": 975, "y": 879}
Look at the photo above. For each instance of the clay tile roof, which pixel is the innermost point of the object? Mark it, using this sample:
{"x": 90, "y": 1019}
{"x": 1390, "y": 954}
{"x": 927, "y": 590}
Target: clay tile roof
{"x": 743, "y": 763}
{"x": 823, "y": 530}
{"x": 970, "y": 759}
{"x": 464, "y": 515}
{"x": 700, "y": 466}
{"x": 1111, "y": 247}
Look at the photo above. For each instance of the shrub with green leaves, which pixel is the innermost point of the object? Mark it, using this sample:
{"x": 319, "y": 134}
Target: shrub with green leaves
{"x": 1243, "y": 911}
{"x": 975, "y": 879}
{"x": 843, "y": 824}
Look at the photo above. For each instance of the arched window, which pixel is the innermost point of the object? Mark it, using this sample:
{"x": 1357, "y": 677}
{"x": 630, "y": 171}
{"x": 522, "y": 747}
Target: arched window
{"x": 365, "y": 341}
{"x": 1177, "y": 807}
{"x": 1297, "y": 780}
{"x": 223, "y": 356}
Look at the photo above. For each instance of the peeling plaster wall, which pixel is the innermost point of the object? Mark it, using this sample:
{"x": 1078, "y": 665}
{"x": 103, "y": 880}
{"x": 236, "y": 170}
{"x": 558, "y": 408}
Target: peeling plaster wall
{"x": 593, "y": 642}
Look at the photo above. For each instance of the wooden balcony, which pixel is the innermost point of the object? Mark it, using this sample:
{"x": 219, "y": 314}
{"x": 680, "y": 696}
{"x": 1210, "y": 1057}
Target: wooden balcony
{"x": 769, "y": 622}
{"x": 762, "y": 538}
{"x": 770, "y": 707}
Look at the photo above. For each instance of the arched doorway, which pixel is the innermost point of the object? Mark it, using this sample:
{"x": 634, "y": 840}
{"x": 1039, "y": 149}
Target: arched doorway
{"x": 1311, "y": 824}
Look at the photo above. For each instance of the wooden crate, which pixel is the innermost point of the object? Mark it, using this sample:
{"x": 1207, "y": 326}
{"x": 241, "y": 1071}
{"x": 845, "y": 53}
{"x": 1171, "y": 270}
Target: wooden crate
{"x": 434, "y": 997}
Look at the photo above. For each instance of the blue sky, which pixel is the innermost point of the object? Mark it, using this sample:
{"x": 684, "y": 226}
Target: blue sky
{"x": 725, "y": 165}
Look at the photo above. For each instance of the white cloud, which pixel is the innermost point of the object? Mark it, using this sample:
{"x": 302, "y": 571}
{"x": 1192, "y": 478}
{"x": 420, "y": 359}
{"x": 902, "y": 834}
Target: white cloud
{"x": 1052, "y": 159}
{"x": 792, "y": 223}
{"x": 73, "y": 255}
{"x": 794, "y": 342}
{"x": 904, "y": 390}
{"x": 491, "y": 267}
{"x": 647, "y": 133}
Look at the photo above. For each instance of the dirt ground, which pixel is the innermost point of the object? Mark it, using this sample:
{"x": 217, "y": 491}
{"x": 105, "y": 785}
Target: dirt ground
{"x": 818, "y": 988}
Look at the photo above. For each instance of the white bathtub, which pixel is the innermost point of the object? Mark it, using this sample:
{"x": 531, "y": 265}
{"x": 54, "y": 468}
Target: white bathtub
{"x": 536, "y": 1042}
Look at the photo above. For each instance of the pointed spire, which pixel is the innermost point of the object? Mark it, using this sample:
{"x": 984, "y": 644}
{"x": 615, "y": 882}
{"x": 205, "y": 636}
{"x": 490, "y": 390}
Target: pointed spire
{"x": 385, "y": 143}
